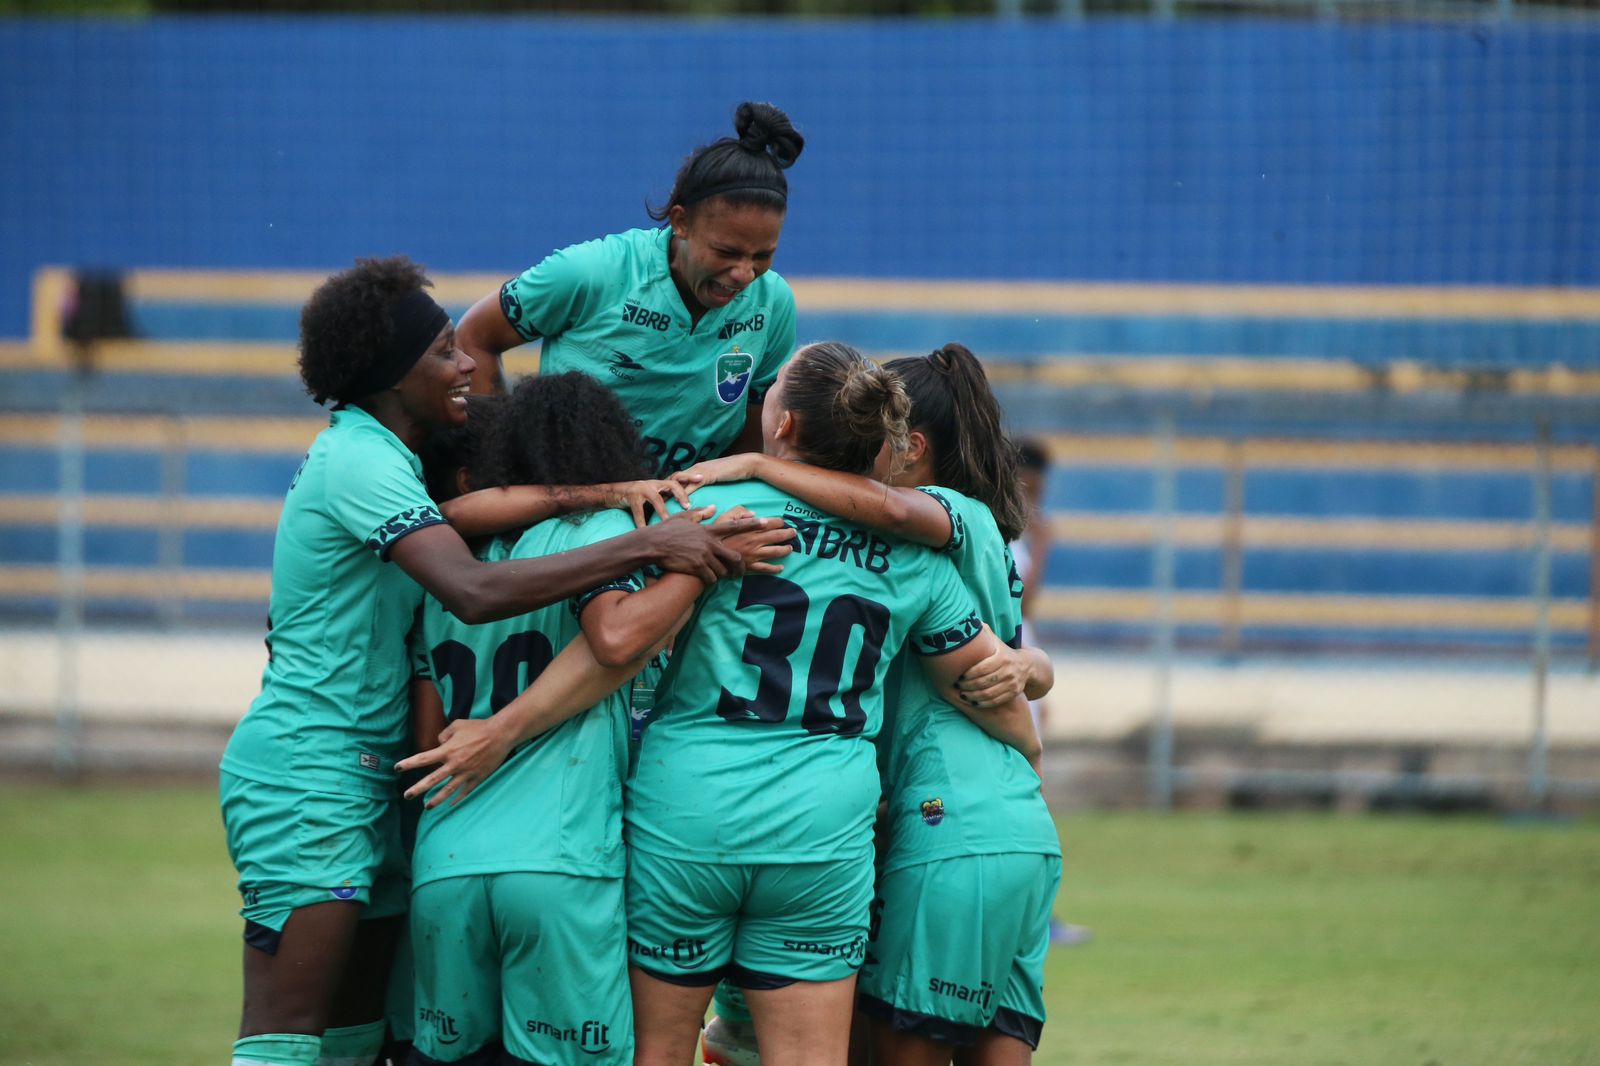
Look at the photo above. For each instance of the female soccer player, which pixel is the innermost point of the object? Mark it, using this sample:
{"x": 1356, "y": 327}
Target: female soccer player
{"x": 750, "y": 808}
{"x": 525, "y": 882}
{"x": 307, "y": 784}
{"x": 967, "y": 827}
{"x": 687, "y": 322}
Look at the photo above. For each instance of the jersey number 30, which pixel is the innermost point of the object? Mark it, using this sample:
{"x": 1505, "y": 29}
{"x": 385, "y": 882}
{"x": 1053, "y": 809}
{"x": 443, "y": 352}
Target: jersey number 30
{"x": 771, "y": 654}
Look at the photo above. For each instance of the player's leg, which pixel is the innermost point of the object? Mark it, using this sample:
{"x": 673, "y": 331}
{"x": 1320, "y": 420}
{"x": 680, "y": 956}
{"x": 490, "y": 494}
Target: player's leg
{"x": 682, "y": 916}
{"x": 802, "y": 937}
{"x": 354, "y": 1036}
{"x": 730, "y": 1036}
{"x": 806, "y": 1023}
{"x": 290, "y": 978}
{"x": 935, "y": 986}
{"x": 457, "y": 961}
{"x": 307, "y": 865}
{"x": 666, "y": 1018}
{"x": 995, "y": 1049}
{"x": 571, "y": 929}
{"x": 1013, "y": 1034}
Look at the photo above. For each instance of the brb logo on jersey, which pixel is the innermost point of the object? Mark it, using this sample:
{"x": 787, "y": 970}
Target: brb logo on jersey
{"x": 733, "y": 372}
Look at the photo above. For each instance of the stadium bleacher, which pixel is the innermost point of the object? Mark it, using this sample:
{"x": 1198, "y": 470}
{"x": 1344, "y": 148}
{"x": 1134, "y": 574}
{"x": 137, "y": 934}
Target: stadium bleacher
{"x": 1316, "y": 501}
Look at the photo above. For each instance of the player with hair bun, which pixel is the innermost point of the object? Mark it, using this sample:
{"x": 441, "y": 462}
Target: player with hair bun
{"x": 763, "y": 871}
{"x": 308, "y": 785}
{"x": 686, "y": 323}
{"x": 966, "y": 826}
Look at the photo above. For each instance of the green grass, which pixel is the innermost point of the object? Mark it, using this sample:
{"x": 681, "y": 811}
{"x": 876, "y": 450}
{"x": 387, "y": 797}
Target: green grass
{"x": 1282, "y": 940}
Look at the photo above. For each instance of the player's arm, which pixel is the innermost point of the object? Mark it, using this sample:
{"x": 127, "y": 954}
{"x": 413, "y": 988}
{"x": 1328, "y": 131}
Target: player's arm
{"x": 903, "y": 512}
{"x": 1010, "y": 723}
{"x": 627, "y": 629}
{"x": 486, "y": 334}
{"x": 500, "y": 510}
{"x": 471, "y": 749}
{"x": 1007, "y": 673}
{"x": 474, "y": 591}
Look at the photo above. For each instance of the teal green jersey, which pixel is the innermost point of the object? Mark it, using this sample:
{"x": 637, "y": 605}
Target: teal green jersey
{"x": 953, "y": 790}
{"x": 556, "y": 804}
{"x": 610, "y": 309}
{"x": 331, "y": 716}
{"x": 759, "y": 749}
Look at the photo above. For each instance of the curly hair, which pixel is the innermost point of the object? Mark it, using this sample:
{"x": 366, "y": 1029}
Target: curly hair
{"x": 562, "y": 429}
{"x": 446, "y": 452}
{"x": 347, "y": 323}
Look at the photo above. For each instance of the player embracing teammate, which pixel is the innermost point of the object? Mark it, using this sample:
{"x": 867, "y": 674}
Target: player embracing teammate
{"x": 751, "y": 796}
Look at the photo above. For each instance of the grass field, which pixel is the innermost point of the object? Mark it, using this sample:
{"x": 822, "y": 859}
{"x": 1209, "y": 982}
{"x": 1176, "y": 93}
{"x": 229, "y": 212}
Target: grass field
{"x": 1262, "y": 939}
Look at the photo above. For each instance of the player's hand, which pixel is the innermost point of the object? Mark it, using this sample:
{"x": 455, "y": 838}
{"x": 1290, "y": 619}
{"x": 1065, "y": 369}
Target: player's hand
{"x": 469, "y": 751}
{"x": 685, "y": 546}
{"x": 995, "y": 681}
{"x": 651, "y": 494}
{"x": 761, "y": 548}
{"x": 740, "y": 467}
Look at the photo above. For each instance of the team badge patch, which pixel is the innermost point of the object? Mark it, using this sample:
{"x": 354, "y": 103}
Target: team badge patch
{"x": 733, "y": 373}
{"x": 933, "y": 811}
{"x": 344, "y": 892}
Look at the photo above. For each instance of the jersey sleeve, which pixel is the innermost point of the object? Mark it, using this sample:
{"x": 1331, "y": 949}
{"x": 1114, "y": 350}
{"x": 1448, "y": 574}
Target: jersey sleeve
{"x": 555, "y": 294}
{"x": 780, "y": 342}
{"x": 958, "y": 525}
{"x": 950, "y": 619}
{"x": 1014, "y": 616}
{"x": 377, "y": 496}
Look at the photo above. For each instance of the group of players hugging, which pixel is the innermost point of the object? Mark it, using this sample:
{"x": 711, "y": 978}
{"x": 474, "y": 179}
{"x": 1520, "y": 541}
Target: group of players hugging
{"x": 700, "y": 656}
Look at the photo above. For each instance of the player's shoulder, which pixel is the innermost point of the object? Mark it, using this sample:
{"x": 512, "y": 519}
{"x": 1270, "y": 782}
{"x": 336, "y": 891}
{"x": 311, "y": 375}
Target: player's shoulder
{"x": 775, "y": 287}
{"x": 971, "y": 520}
{"x": 598, "y": 255}
{"x": 358, "y": 443}
{"x": 565, "y": 532}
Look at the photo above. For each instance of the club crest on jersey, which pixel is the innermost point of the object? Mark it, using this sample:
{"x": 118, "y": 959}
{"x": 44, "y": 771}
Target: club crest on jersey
{"x": 733, "y": 372}
{"x": 933, "y": 811}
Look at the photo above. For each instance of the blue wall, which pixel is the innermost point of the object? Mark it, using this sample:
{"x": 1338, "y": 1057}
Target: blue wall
{"x": 1228, "y": 151}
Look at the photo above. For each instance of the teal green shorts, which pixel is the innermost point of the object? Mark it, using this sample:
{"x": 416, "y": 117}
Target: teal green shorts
{"x": 958, "y": 946}
{"x": 533, "y": 962}
{"x": 760, "y": 925}
{"x": 293, "y": 848}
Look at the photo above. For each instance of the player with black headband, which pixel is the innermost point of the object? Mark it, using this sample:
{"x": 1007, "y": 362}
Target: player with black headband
{"x": 309, "y": 797}
{"x": 686, "y": 322}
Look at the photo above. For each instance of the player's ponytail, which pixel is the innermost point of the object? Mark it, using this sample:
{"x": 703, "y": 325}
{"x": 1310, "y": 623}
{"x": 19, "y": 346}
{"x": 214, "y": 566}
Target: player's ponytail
{"x": 953, "y": 406}
{"x": 743, "y": 169}
{"x": 846, "y": 408}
